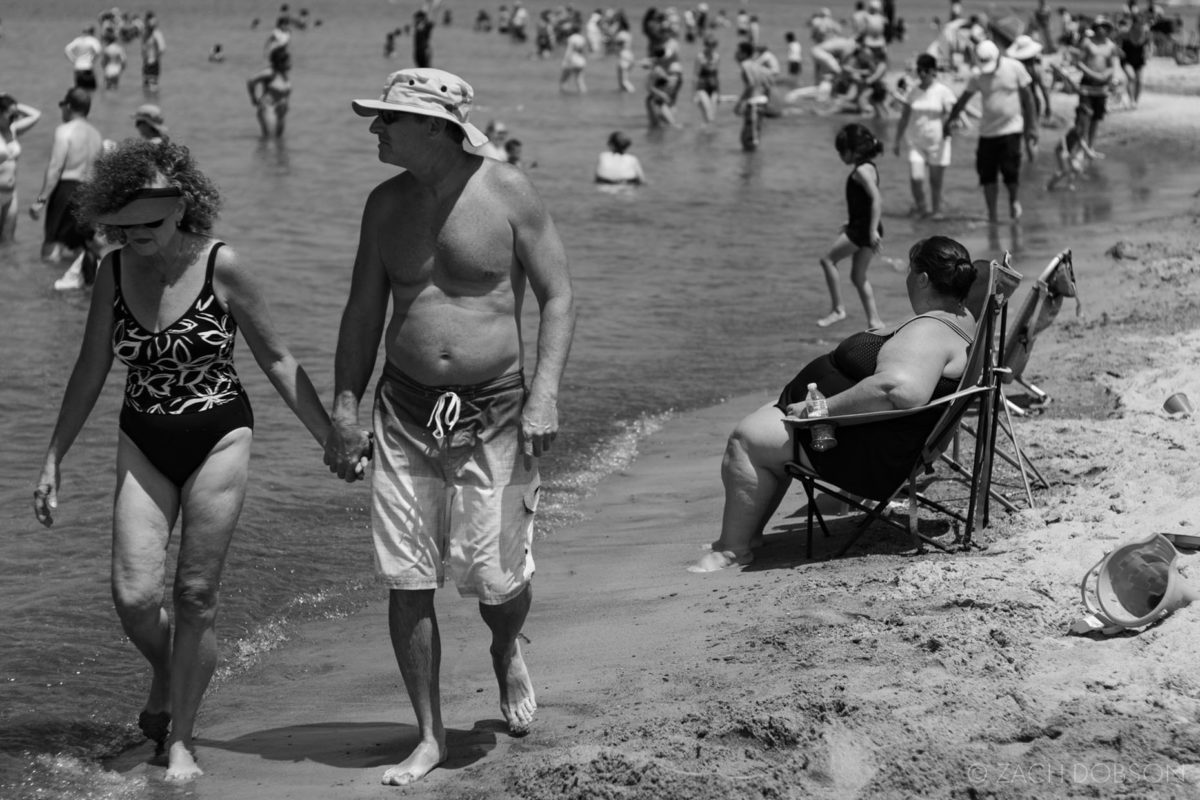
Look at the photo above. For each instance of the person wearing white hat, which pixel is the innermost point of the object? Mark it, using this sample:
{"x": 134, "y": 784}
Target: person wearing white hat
{"x": 1008, "y": 117}
{"x": 451, "y": 244}
{"x": 1028, "y": 51}
{"x": 150, "y": 123}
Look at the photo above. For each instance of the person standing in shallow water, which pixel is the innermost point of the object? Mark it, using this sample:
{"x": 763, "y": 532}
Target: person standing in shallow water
{"x": 269, "y": 93}
{"x": 169, "y": 304}
{"x": 861, "y": 235}
{"x": 451, "y": 243}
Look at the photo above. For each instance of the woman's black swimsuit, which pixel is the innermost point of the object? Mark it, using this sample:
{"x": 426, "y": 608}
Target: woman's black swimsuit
{"x": 706, "y": 77}
{"x": 870, "y": 460}
{"x": 182, "y": 394}
{"x": 858, "y": 202}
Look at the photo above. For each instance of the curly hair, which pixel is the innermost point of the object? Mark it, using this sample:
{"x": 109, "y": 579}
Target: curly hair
{"x": 135, "y": 164}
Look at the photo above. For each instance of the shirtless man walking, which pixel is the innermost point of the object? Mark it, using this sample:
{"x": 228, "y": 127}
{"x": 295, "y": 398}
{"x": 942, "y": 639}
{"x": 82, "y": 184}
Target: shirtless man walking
{"x": 1100, "y": 63}
{"x": 76, "y": 147}
{"x": 452, "y": 241}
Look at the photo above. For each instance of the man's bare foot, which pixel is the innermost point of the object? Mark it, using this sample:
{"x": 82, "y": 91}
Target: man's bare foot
{"x": 875, "y": 324}
{"x": 720, "y": 559}
{"x": 420, "y": 762}
{"x": 837, "y": 315}
{"x": 517, "y": 701}
{"x": 181, "y": 764}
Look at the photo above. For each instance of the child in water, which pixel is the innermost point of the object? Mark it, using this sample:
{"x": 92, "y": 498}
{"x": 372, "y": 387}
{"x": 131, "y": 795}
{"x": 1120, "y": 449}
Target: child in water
{"x": 1072, "y": 152}
{"x": 861, "y": 235}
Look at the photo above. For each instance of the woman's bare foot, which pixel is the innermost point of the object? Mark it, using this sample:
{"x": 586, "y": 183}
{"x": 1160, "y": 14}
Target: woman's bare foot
{"x": 181, "y": 764}
{"x": 837, "y": 315}
{"x": 720, "y": 559}
{"x": 420, "y": 762}
{"x": 517, "y": 701}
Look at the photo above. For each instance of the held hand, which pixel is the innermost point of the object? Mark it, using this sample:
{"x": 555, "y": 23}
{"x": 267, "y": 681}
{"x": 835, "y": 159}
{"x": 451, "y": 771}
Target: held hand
{"x": 539, "y": 427}
{"x": 347, "y": 451}
{"x": 874, "y": 239}
{"x": 35, "y": 210}
{"x": 45, "y": 496}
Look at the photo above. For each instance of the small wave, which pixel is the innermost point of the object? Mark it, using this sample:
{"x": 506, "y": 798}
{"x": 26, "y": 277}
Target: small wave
{"x": 66, "y": 777}
{"x": 560, "y": 505}
{"x": 332, "y": 602}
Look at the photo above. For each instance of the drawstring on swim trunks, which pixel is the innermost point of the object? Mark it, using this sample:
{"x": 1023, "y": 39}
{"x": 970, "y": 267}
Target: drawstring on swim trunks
{"x": 445, "y": 414}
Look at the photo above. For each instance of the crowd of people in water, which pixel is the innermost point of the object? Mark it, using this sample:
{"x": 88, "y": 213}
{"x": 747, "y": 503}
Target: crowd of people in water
{"x": 137, "y": 217}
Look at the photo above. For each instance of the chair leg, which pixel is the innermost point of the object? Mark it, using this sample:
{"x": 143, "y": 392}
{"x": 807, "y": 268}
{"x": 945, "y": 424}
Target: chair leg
{"x": 1007, "y": 425}
{"x": 966, "y": 475}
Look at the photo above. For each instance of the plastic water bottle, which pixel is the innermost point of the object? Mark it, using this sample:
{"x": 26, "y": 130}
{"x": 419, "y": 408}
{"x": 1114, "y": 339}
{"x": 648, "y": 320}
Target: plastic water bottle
{"x": 822, "y": 435}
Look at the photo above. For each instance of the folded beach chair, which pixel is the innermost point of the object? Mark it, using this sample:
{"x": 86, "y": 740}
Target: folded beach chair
{"x": 1041, "y": 306}
{"x": 978, "y": 387}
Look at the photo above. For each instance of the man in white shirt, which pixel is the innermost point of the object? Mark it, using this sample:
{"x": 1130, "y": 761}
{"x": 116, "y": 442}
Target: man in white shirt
{"x": 82, "y": 52}
{"x": 1008, "y": 115}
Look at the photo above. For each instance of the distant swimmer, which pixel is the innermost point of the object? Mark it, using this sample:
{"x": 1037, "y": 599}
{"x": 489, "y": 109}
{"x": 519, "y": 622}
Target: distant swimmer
{"x": 217, "y": 54}
{"x": 497, "y": 133}
{"x": 150, "y": 124}
{"x": 280, "y": 37}
{"x": 617, "y": 165}
{"x": 574, "y": 61}
{"x": 77, "y": 145}
{"x": 153, "y": 46}
{"x": 83, "y": 51}
{"x": 708, "y": 84}
{"x": 270, "y": 91}
{"x": 15, "y": 118}
{"x": 112, "y": 59}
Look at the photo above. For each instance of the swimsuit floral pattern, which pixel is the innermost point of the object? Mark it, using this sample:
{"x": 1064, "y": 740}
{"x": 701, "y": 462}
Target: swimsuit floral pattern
{"x": 187, "y": 366}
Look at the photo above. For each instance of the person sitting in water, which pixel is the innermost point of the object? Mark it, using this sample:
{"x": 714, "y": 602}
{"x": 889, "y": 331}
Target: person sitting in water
{"x": 918, "y": 360}
{"x": 618, "y": 166}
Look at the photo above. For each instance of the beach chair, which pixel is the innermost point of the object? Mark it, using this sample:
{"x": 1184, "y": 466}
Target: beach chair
{"x": 1055, "y": 283}
{"x": 979, "y": 386}
{"x": 1041, "y": 306}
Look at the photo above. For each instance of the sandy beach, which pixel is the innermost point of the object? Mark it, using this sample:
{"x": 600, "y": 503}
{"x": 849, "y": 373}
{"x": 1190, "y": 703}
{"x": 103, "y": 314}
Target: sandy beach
{"x": 878, "y": 675}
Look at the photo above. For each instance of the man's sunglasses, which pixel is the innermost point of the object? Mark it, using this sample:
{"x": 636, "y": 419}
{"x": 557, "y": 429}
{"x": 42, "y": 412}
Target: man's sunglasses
{"x": 155, "y": 224}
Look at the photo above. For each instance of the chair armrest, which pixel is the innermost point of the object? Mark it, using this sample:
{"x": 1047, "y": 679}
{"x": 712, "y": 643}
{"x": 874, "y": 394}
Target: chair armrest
{"x": 882, "y": 416}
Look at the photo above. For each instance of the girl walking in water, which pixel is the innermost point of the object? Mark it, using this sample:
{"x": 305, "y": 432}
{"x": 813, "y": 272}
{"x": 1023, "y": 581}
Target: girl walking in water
{"x": 861, "y": 235}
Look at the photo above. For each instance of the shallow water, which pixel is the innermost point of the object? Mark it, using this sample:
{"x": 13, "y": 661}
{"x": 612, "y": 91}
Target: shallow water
{"x": 699, "y": 286}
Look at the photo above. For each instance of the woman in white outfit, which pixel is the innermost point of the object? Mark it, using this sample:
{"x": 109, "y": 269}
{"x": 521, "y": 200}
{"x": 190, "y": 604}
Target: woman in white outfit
{"x": 926, "y": 109}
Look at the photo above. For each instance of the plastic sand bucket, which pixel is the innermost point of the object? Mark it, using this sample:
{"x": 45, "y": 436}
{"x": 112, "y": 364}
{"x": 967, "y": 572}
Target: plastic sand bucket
{"x": 1136, "y": 584}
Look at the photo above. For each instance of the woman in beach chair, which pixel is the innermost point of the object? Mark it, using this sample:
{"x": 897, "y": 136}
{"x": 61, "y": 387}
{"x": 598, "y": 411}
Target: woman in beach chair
{"x": 903, "y": 367}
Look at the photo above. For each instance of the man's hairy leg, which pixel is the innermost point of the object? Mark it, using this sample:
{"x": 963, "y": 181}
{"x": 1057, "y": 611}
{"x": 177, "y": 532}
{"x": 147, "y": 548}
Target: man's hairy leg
{"x": 418, "y": 648}
{"x": 517, "y": 701}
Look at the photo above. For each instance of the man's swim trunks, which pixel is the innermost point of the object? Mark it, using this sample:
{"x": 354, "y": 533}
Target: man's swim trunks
{"x": 61, "y": 226}
{"x": 450, "y": 489}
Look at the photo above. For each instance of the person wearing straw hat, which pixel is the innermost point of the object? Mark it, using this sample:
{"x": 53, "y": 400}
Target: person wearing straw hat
{"x": 1100, "y": 63}
{"x": 1008, "y": 117}
{"x": 168, "y": 303}
{"x": 451, "y": 243}
{"x": 1028, "y": 51}
{"x": 150, "y": 123}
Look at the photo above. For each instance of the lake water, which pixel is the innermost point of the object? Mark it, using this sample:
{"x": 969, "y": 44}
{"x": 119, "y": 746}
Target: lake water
{"x": 700, "y": 286}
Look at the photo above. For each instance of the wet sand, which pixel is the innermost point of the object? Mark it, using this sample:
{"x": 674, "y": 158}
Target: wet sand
{"x": 881, "y": 674}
